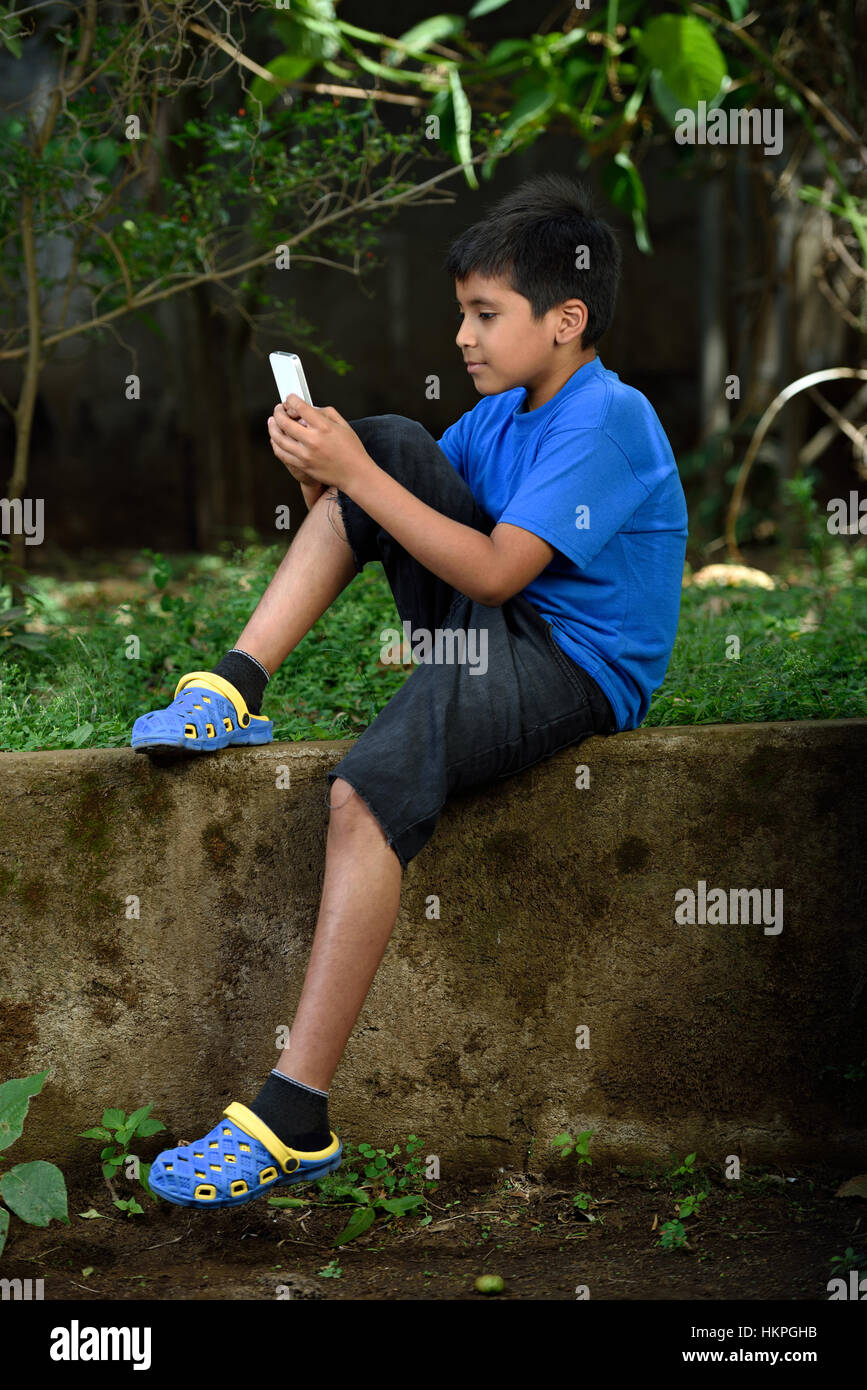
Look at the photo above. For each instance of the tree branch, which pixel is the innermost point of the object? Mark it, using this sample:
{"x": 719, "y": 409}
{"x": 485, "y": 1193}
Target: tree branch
{"x": 410, "y": 195}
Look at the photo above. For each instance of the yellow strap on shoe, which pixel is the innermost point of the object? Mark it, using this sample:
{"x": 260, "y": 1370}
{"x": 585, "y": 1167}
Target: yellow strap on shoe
{"x": 222, "y": 687}
{"x": 257, "y": 1129}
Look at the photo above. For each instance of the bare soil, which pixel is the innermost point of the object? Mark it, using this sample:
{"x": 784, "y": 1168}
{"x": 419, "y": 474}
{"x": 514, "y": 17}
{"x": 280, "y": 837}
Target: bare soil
{"x": 766, "y": 1237}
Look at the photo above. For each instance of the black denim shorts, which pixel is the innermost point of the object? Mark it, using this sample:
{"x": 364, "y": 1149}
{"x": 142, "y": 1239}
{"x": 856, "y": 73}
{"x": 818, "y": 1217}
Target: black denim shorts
{"x": 451, "y": 727}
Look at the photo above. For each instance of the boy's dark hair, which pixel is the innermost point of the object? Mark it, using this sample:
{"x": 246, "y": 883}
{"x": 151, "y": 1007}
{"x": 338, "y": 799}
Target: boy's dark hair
{"x": 530, "y": 239}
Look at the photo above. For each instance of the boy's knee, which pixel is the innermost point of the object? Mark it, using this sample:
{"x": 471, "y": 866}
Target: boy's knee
{"x": 350, "y": 808}
{"x": 372, "y": 427}
{"x": 341, "y": 793}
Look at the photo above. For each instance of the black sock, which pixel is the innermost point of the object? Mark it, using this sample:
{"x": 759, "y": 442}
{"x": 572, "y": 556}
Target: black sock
{"x": 246, "y": 674}
{"x": 297, "y": 1113}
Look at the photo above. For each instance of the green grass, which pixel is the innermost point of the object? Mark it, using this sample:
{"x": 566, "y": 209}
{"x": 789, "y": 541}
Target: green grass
{"x": 802, "y": 655}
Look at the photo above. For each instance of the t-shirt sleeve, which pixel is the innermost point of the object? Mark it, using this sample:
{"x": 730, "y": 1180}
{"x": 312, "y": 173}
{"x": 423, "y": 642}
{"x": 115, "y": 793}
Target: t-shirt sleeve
{"x": 579, "y": 493}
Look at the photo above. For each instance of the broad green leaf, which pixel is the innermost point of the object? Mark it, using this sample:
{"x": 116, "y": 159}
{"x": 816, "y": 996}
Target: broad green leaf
{"x": 433, "y": 30}
{"x": 398, "y": 1205}
{"x": 91, "y": 1214}
{"x": 358, "y": 1223}
{"x": 289, "y": 67}
{"x": 36, "y": 1192}
{"x": 15, "y": 1096}
{"x": 667, "y": 103}
{"x": 485, "y": 7}
{"x": 738, "y": 9}
{"x": 507, "y": 49}
{"x": 144, "y": 1172}
{"x": 4, "y": 1227}
{"x": 113, "y": 1119}
{"x": 687, "y": 55}
{"x": 150, "y": 1126}
{"x": 97, "y": 1133}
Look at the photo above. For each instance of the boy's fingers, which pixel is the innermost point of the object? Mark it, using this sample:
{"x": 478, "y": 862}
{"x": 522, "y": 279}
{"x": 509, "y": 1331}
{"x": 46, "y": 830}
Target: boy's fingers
{"x": 297, "y": 408}
{"x": 282, "y": 413}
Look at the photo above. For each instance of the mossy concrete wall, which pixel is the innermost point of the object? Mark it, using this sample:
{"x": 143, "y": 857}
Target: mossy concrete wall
{"x": 556, "y": 912}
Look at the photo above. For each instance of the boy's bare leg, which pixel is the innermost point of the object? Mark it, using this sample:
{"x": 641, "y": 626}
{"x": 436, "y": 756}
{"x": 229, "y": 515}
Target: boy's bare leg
{"x": 360, "y": 900}
{"x": 317, "y": 566}
{"x": 361, "y": 891}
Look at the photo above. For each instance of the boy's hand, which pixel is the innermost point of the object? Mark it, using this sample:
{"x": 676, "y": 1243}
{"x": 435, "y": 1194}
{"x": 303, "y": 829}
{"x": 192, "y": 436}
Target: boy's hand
{"x": 291, "y": 463}
{"x": 317, "y": 445}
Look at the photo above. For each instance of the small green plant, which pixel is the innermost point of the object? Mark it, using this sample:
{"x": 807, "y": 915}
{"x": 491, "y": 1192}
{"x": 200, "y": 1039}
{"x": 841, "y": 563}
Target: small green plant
{"x": 673, "y": 1233}
{"x": 690, "y": 1205}
{"x": 585, "y": 1202}
{"x": 375, "y": 1188}
{"x": 799, "y": 493}
{"x": 330, "y": 1271}
{"x": 567, "y": 1145}
{"x": 682, "y": 1175}
{"x": 131, "y": 1206}
{"x": 119, "y": 1129}
{"x": 848, "y": 1260}
{"x": 36, "y": 1192}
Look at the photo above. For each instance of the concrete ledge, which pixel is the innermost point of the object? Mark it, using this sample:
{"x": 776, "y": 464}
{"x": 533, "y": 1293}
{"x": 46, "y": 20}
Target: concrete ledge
{"x": 556, "y": 910}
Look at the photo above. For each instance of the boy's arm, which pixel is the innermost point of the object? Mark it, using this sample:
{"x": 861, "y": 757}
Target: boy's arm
{"x": 489, "y": 569}
{"x": 312, "y": 492}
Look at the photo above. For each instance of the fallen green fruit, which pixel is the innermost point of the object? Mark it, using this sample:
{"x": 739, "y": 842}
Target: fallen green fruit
{"x": 489, "y": 1283}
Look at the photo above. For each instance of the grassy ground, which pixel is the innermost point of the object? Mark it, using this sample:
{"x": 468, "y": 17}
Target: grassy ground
{"x": 89, "y": 656}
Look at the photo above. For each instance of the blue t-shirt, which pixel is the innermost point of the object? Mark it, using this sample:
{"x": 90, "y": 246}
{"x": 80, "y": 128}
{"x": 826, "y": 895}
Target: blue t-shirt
{"x": 592, "y": 472}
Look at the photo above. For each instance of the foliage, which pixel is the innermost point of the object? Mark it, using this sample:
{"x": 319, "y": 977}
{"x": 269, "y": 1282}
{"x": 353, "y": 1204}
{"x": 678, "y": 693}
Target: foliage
{"x": 803, "y": 653}
{"x": 367, "y": 1180}
{"x": 580, "y": 1146}
{"x": 119, "y": 1129}
{"x": 35, "y": 1192}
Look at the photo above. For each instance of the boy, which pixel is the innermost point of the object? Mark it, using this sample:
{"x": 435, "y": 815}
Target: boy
{"x": 549, "y": 520}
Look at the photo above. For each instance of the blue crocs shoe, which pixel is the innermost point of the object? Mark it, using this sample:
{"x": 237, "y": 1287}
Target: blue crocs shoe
{"x": 238, "y": 1161}
{"x": 207, "y": 713}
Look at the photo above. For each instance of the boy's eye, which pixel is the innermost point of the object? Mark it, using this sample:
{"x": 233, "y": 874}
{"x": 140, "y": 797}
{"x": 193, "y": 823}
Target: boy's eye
{"x": 484, "y": 315}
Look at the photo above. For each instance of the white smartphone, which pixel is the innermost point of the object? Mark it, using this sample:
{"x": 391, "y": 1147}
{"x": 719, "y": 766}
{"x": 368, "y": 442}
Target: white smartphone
{"x": 289, "y": 376}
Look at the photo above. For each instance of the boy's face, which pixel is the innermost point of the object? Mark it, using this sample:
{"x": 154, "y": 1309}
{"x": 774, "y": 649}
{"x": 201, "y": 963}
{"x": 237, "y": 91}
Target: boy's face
{"x": 499, "y": 331}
